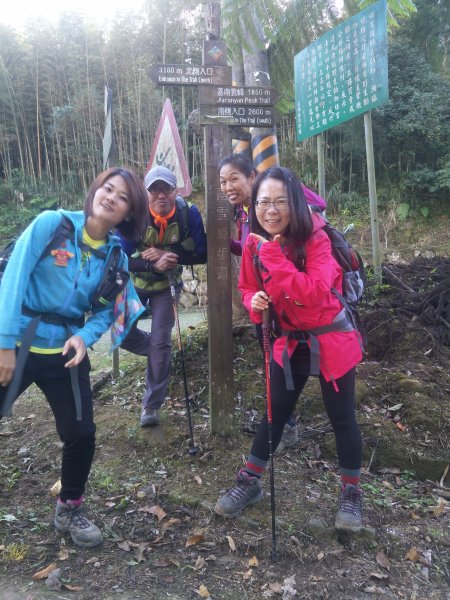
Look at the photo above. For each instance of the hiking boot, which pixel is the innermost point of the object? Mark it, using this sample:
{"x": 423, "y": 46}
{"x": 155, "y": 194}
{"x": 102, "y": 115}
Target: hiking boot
{"x": 71, "y": 518}
{"x": 149, "y": 417}
{"x": 289, "y": 437}
{"x": 348, "y": 517}
{"x": 247, "y": 490}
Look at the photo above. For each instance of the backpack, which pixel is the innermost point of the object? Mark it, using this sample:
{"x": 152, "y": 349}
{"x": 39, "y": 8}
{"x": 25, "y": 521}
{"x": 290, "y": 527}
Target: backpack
{"x": 114, "y": 278}
{"x": 347, "y": 257}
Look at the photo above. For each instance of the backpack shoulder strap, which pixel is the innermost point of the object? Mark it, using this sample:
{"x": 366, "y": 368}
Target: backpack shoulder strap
{"x": 182, "y": 215}
{"x": 64, "y": 230}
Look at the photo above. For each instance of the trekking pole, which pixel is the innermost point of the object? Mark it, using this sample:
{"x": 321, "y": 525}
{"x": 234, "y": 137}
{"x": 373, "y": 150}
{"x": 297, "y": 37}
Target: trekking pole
{"x": 266, "y": 346}
{"x": 192, "y": 448}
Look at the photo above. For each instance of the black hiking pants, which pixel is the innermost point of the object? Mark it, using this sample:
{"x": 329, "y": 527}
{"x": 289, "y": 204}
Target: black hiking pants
{"x": 47, "y": 371}
{"x": 340, "y": 407}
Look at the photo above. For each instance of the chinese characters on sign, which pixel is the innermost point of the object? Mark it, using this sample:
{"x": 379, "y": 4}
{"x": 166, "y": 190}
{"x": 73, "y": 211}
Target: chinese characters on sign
{"x": 244, "y": 116}
{"x": 189, "y": 75}
{"x": 342, "y": 74}
{"x": 244, "y": 96}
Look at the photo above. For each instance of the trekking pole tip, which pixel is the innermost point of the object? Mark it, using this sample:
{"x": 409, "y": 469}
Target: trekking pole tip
{"x": 193, "y": 450}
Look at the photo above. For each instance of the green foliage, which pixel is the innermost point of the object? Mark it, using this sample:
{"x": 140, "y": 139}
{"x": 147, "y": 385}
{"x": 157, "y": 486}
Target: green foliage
{"x": 397, "y": 10}
{"x": 13, "y": 220}
{"x": 52, "y": 91}
{"x": 403, "y": 211}
{"x": 248, "y": 23}
{"x": 40, "y": 203}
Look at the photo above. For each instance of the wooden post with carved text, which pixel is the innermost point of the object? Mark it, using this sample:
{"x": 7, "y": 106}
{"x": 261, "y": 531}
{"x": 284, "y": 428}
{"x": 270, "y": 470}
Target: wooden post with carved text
{"x": 217, "y": 141}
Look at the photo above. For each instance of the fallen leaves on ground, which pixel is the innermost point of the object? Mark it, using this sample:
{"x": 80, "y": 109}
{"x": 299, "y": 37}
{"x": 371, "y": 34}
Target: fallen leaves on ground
{"x": 231, "y": 543}
{"x": 203, "y": 591}
{"x": 56, "y": 488}
{"x": 44, "y": 573}
{"x": 195, "y": 539}
{"x": 383, "y": 561}
{"x": 413, "y": 554}
{"x": 154, "y": 510}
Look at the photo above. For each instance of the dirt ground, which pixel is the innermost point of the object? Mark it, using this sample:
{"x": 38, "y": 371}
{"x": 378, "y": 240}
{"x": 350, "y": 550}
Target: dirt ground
{"x": 153, "y": 501}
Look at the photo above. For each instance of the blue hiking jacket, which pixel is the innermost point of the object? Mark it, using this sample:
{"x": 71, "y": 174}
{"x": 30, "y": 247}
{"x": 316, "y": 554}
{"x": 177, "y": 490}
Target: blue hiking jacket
{"x": 63, "y": 287}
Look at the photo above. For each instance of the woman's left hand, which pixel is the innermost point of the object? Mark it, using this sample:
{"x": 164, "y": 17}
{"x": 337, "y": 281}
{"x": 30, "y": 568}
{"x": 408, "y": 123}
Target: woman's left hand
{"x": 77, "y": 344}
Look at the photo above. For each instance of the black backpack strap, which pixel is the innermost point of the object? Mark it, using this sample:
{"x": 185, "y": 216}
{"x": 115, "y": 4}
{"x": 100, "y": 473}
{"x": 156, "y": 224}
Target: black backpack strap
{"x": 64, "y": 230}
{"x": 24, "y": 351}
{"x": 22, "y": 355}
{"x": 182, "y": 217}
{"x": 340, "y": 323}
{"x": 113, "y": 281}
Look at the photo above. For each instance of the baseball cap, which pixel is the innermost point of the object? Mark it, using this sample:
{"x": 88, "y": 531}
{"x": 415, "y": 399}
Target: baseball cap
{"x": 160, "y": 174}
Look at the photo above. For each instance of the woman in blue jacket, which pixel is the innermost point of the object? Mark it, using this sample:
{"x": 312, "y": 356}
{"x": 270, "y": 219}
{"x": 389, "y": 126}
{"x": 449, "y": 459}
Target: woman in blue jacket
{"x": 48, "y": 286}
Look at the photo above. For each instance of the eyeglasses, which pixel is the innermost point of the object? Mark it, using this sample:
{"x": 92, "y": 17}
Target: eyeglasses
{"x": 280, "y": 204}
{"x": 161, "y": 188}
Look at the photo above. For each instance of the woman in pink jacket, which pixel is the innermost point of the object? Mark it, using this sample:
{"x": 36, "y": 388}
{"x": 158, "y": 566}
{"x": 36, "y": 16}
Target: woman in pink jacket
{"x": 287, "y": 265}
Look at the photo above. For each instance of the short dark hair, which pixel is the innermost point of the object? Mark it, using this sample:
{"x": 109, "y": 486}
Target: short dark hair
{"x": 241, "y": 162}
{"x": 138, "y": 219}
{"x": 301, "y": 225}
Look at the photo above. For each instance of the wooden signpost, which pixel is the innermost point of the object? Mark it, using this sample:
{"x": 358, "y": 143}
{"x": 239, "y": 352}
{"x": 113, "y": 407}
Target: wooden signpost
{"x": 221, "y": 106}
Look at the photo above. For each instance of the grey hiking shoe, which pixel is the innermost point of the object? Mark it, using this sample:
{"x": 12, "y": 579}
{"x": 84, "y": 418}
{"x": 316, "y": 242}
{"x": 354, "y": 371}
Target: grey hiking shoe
{"x": 289, "y": 437}
{"x": 247, "y": 490}
{"x": 149, "y": 417}
{"x": 69, "y": 518}
{"x": 348, "y": 517}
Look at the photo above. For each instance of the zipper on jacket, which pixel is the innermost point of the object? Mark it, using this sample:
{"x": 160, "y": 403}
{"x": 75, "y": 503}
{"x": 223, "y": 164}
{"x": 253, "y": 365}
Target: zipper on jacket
{"x": 332, "y": 379}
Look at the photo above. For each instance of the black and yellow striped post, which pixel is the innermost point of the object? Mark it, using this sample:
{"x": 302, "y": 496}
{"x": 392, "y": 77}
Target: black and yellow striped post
{"x": 264, "y": 149}
{"x": 242, "y": 147}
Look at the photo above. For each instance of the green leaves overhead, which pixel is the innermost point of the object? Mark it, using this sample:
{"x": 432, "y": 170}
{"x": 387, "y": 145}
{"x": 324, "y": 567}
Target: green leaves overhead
{"x": 397, "y": 9}
{"x": 249, "y": 20}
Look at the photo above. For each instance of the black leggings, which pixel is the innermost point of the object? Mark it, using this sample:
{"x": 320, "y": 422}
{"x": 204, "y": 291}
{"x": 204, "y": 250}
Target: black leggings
{"x": 340, "y": 407}
{"x": 47, "y": 371}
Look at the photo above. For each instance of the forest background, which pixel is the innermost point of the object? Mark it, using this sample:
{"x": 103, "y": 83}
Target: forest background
{"x": 52, "y": 80}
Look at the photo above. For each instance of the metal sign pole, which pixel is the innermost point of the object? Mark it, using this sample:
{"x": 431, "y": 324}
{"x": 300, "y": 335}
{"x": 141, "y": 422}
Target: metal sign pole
{"x": 108, "y": 161}
{"x": 376, "y": 247}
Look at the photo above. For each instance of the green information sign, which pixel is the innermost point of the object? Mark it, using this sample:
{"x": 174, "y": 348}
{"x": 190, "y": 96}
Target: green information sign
{"x": 342, "y": 74}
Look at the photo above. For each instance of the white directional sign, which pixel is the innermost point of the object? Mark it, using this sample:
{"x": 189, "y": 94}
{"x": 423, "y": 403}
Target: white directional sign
{"x": 243, "y": 116}
{"x": 189, "y": 74}
{"x": 237, "y": 95}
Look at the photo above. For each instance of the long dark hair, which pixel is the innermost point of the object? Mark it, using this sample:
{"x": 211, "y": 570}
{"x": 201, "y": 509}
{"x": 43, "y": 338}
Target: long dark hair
{"x": 241, "y": 162}
{"x": 138, "y": 218}
{"x": 301, "y": 225}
